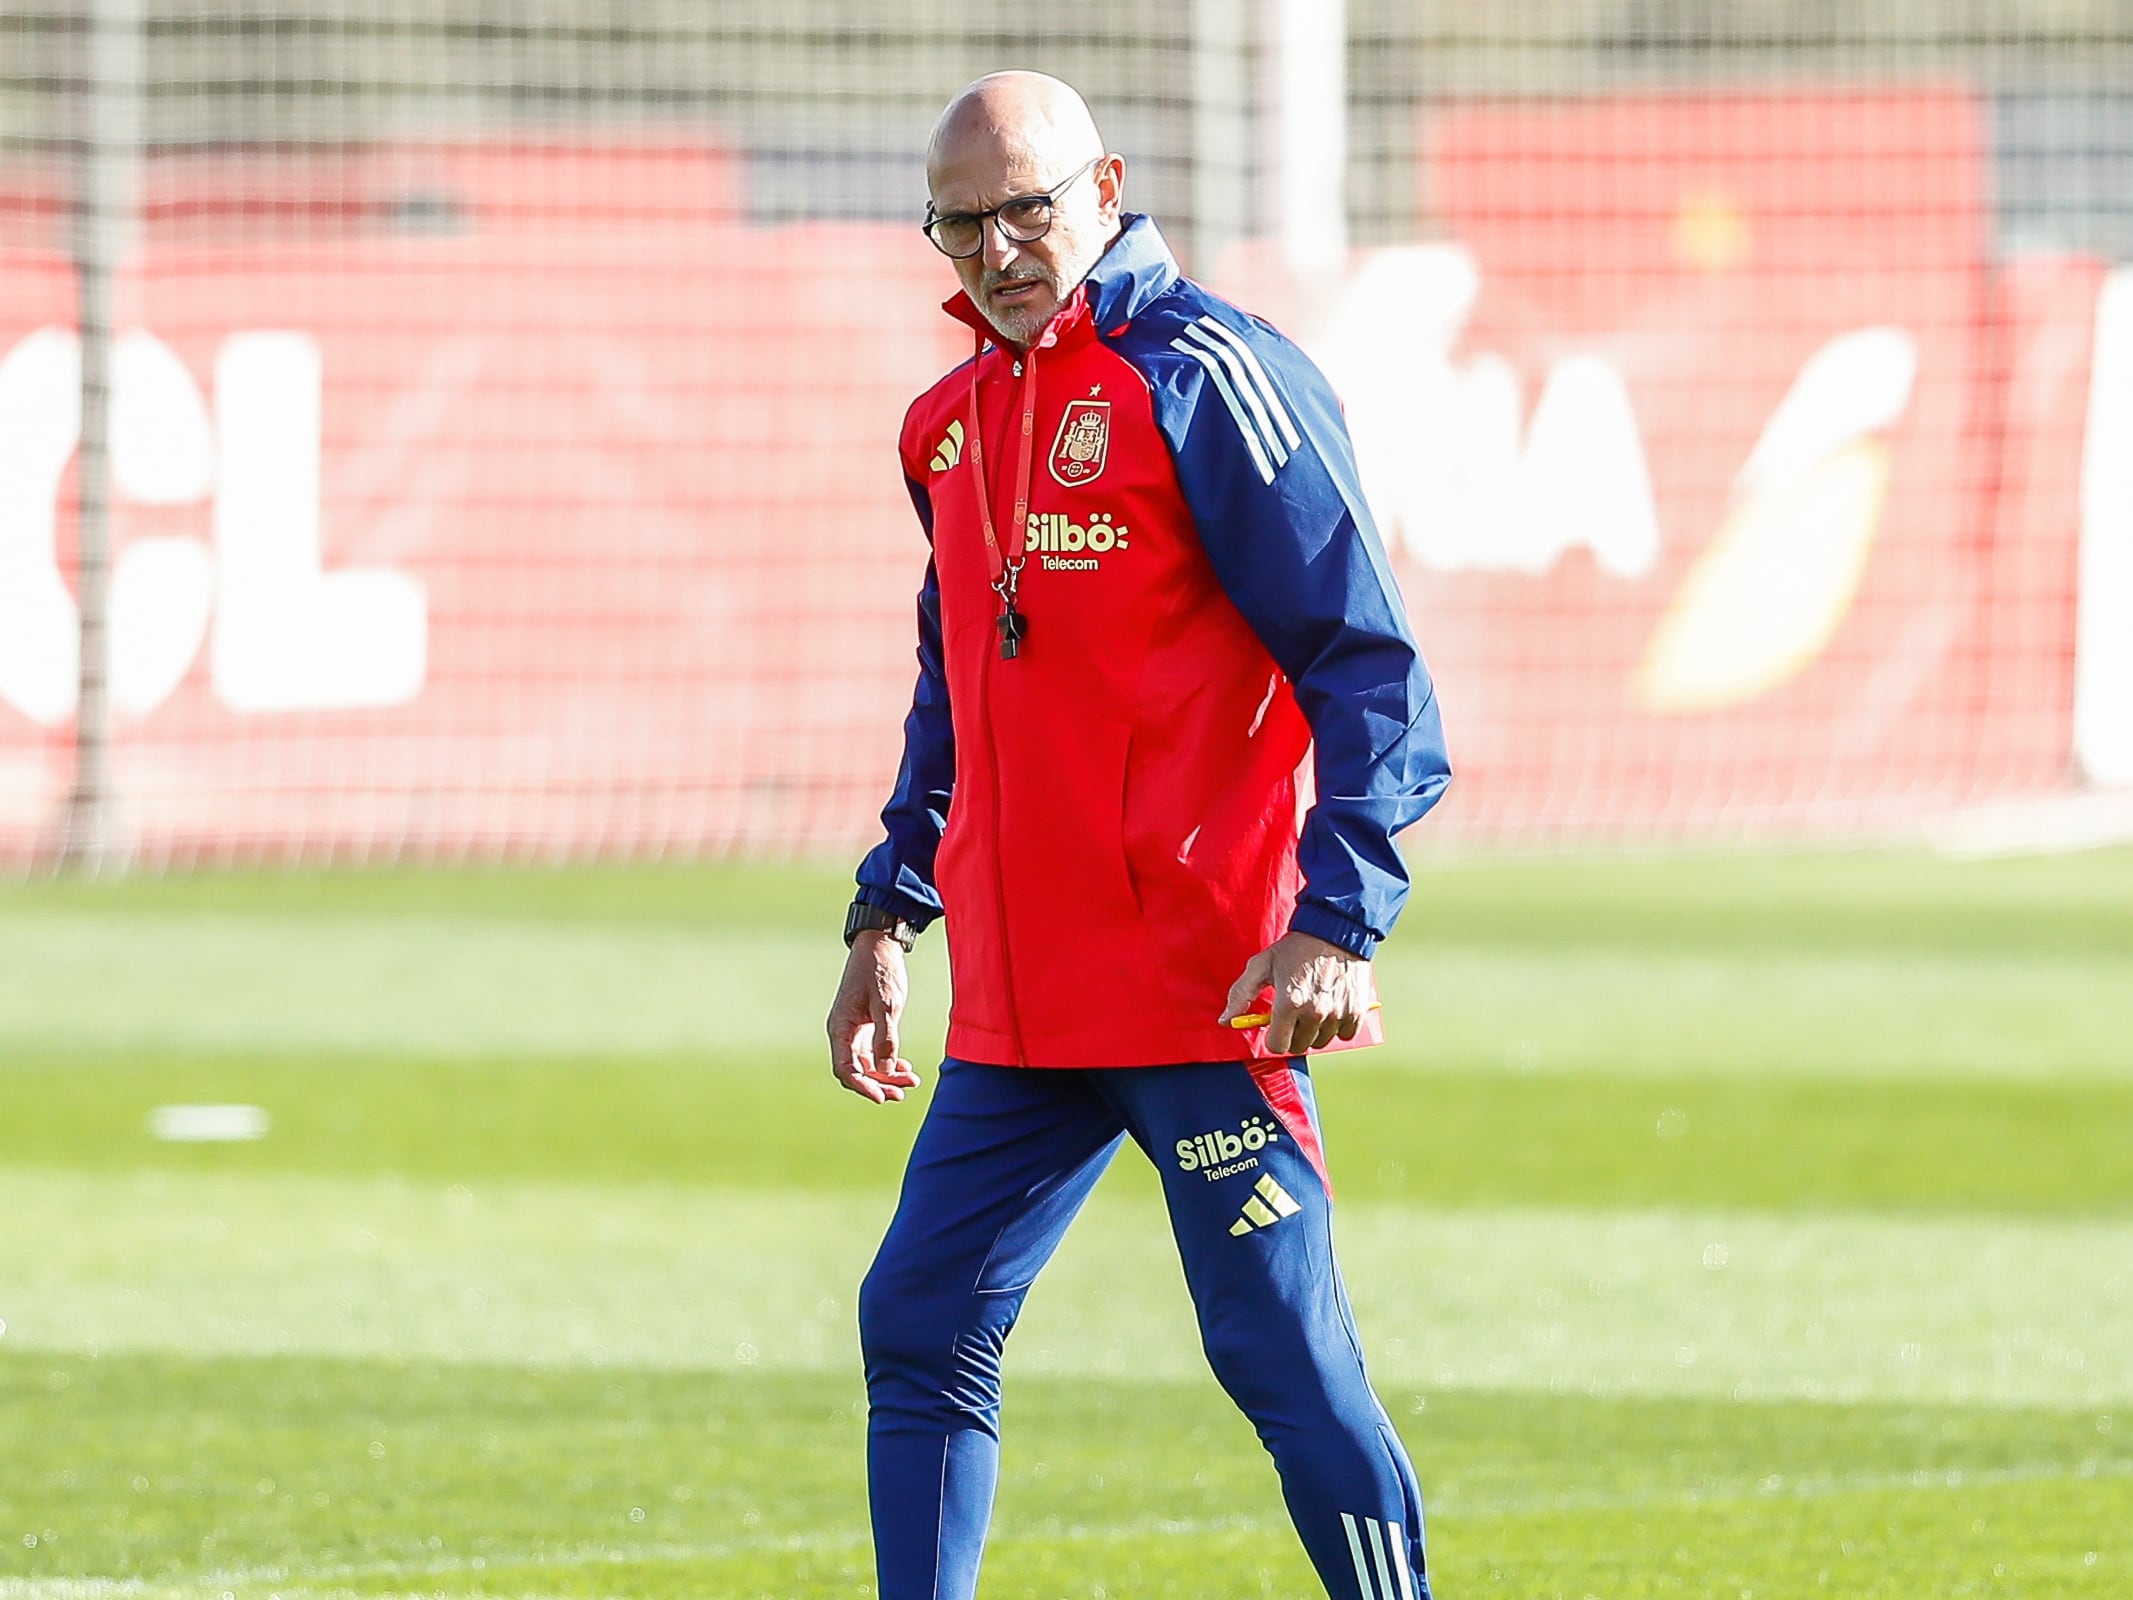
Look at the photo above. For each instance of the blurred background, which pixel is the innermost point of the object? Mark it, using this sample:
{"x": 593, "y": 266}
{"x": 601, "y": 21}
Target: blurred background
{"x": 500, "y": 402}
{"x": 455, "y": 627}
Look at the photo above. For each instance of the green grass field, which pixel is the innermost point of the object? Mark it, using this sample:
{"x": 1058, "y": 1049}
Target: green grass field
{"x": 1748, "y": 1227}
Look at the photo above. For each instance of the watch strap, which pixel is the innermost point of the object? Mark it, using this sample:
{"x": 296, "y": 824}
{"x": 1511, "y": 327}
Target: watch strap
{"x": 863, "y": 916}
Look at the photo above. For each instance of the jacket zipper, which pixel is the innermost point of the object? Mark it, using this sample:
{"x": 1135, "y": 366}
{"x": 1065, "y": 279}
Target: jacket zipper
{"x": 999, "y": 885}
{"x": 1027, "y": 366}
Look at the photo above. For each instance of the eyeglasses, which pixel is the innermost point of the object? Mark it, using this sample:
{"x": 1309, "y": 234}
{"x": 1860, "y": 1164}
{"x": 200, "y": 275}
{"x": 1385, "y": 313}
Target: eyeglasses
{"x": 1025, "y": 219}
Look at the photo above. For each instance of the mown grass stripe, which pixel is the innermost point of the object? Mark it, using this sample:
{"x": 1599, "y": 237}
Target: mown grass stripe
{"x": 295, "y": 1578}
{"x": 1836, "y": 1307}
{"x": 1964, "y": 978}
{"x": 1438, "y": 1138}
{"x": 183, "y": 1471}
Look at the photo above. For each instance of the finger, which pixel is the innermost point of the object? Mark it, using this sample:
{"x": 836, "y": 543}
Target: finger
{"x": 1244, "y": 993}
{"x": 1299, "y": 998}
{"x": 856, "y": 1079}
{"x": 1347, "y": 1018}
{"x": 885, "y": 1041}
{"x": 1285, "y": 1029}
{"x": 1305, "y": 1035}
{"x": 1277, "y": 1022}
{"x": 860, "y": 1077}
{"x": 887, "y": 1068}
{"x": 885, "y": 1007}
{"x": 842, "y": 1037}
{"x": 892, "y": 1076}
{"x": 1326, "y": 1031}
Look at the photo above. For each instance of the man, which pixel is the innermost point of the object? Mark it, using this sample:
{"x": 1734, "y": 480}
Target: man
{"x": 1154, "y": 588}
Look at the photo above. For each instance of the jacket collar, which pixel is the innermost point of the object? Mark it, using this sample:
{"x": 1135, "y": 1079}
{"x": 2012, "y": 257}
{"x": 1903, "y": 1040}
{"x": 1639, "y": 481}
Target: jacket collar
{"x": 1135, "y": 269}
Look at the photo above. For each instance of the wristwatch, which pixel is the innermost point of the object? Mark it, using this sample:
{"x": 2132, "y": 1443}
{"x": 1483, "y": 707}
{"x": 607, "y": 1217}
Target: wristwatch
{"x": 863, "y": 916}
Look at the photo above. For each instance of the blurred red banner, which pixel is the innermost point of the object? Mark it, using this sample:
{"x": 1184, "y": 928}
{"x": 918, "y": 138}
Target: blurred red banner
{"x": 522, "y": 498}
{"x": 1693, "y": 442}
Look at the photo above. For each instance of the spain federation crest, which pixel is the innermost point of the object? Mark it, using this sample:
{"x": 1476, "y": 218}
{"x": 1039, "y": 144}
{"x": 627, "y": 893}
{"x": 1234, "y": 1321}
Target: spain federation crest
{"x": 1084, "y": 443}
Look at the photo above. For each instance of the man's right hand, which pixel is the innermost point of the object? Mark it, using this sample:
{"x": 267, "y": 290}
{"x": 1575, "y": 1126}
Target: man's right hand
{"x": 865, "y": 1017}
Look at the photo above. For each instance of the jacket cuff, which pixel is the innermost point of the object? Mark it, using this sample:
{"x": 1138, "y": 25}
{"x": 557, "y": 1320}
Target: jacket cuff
{"x": 1321, "y": 922}
{"x": 915, "y": 912}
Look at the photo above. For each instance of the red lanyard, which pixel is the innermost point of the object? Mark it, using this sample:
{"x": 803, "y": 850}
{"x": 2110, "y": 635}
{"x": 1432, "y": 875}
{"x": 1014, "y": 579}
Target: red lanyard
{"x": 1006, "y": 566}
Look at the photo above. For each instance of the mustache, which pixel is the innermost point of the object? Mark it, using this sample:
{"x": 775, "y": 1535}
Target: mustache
{"x": 1001, "y": 280}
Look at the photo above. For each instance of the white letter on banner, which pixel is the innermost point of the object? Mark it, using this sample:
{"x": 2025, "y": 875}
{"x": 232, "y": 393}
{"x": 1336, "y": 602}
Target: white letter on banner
{"x": 2103, "y": 648}
{"x": 1453, "y": 472}
{"x": 288, "y": 635}
{"x": 162, "y": 587}
{"x": 40, "y": 419}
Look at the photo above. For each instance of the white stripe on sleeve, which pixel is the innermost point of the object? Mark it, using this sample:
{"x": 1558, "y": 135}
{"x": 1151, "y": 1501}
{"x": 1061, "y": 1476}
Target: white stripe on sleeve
{"x": 1231, "y": 337}
{"x": 1213, "y": 365}
{"x": 1197, "y": 332}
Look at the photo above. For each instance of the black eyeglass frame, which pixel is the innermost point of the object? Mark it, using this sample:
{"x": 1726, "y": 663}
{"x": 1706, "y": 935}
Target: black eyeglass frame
{"x": 1049, "y": 198}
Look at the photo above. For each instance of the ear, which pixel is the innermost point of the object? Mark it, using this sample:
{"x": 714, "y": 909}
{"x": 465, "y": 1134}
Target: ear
{"x": 1111, "y": 187}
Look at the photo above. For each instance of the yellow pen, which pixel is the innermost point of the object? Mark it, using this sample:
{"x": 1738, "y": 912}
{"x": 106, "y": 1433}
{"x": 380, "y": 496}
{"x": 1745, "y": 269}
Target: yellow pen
{"x": 1259, "y": 1019}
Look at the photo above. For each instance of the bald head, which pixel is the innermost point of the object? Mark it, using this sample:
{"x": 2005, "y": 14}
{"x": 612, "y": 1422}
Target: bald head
{"x": 1015, "y": 134}
{"x": 1024, "y": 112}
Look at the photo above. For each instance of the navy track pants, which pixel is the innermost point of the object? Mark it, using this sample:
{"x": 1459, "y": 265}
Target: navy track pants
{"x": 1004, "y": 1160}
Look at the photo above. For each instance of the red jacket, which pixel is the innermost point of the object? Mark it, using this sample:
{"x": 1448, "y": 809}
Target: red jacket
{"x": 1110, "y": 819}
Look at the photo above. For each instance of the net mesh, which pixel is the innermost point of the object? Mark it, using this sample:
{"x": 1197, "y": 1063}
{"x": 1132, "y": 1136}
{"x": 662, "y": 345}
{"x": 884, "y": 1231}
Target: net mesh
{"x": 504, "y": 400}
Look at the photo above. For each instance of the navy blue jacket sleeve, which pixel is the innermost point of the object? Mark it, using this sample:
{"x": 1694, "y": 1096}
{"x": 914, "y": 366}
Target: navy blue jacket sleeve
{"x": 1267, "y": 469}
{"x": 897, "y": 874}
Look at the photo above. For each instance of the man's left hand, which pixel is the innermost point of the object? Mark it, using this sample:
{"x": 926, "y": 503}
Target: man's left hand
{"x": 1320, "y": 993}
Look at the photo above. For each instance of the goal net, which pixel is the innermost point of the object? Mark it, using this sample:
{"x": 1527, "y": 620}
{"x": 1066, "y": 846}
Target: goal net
{"x": 502, "y": 398}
